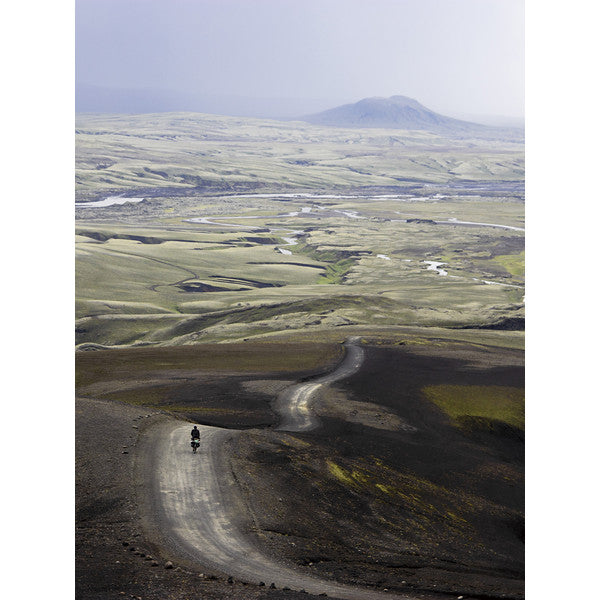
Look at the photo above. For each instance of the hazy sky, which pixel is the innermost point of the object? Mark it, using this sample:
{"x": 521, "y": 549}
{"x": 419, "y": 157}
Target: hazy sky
{"x": 455, "y": 56}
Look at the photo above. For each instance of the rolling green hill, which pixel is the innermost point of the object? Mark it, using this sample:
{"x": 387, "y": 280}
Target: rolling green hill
{"x": 242, "y": 228}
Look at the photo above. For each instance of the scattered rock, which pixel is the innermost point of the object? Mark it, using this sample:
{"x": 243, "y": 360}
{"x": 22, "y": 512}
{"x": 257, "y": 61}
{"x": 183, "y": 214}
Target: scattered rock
{"x": 230, "y": 579}
{"x": 168, "y": 565}
{"x": 272, "y": 586}
{"x": 261, "y": 584}
{"x": 155, "y": 563}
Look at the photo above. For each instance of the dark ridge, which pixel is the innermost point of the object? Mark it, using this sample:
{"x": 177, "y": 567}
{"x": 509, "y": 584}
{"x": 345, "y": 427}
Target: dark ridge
{"x": 507, "y": 324}
{"x": 249, "y": 314}
{"x": 478, "y": 426}
{"x": 198, "y": 286}
{"x": 261, "y": 240}
{"x": 104, "y": 237}
{"x": 253, "y": 283}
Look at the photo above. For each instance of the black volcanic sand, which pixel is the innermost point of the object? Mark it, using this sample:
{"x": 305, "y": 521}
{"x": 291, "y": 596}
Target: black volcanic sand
{"x": 409, "y": 503}
{"x": 438, "y": 509}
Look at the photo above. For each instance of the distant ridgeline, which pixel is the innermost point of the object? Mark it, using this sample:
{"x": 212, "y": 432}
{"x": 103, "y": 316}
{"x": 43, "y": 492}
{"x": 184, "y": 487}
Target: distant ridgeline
{"x": 397, "y": 112}
{"x": 400, "y": 112}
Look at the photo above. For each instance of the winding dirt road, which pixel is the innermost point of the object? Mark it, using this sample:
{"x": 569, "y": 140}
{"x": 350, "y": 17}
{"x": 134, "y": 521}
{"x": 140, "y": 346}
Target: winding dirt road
{"x": 293, "y": 404}
{"x": 197, "y": 510}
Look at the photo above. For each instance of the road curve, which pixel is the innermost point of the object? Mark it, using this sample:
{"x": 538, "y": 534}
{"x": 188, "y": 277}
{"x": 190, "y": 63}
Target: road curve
{"x": 294, "y": 403}
{"x": 195, "y": 508}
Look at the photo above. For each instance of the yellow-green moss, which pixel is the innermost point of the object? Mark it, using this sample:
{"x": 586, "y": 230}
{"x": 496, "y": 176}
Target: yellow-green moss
{"x": 385, "y": 485}
{"x": 513, "y": 263}
{"x": 501, "y": 403}
{"x": 340, "y": 473}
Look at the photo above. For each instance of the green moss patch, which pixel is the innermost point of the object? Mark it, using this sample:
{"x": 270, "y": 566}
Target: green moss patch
{"x": 513, "y": 263}
{"x": 335, "y": 273}
{"x": 434, "y": 504}
{"x": 500, "y": 403}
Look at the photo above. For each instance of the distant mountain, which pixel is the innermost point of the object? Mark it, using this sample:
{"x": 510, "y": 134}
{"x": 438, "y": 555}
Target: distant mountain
{"x": 398, "y": 112}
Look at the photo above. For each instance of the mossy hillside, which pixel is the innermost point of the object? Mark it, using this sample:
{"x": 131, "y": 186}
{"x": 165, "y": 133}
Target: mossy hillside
{"x": 185, "y": 150}
{"x": 150, "y": 255}
{"x": 365, "y": 313}
{"x": 126, "y": 270}
{"x": 498, "y": 403}
{"x": 513, "y": 263}
{"x": 336, "y": 273}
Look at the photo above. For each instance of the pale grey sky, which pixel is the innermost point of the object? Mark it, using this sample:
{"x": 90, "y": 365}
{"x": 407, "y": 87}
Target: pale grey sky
{"x": 459, "y": 57}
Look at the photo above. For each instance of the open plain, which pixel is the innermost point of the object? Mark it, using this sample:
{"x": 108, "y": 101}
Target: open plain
{"x": 222, "y": 266}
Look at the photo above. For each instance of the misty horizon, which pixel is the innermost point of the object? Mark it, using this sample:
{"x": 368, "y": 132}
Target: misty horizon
{"x": 98, "y": 100}
{"x": 282, "y": 60}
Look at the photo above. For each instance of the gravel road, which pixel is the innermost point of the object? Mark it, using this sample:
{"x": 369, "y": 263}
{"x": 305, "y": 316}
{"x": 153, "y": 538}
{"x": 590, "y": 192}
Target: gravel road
{"x": 196, "y": 508}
